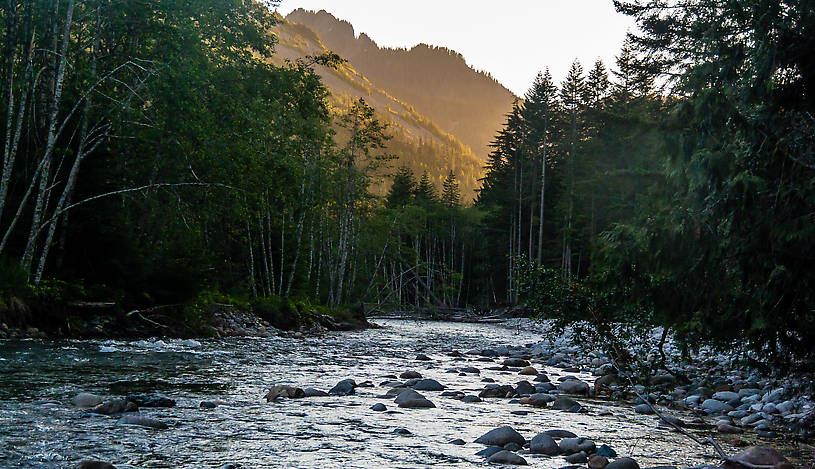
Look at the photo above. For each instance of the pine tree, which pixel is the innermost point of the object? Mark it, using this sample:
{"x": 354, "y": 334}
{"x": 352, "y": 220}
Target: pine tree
{"x": 572, "y": 92}
{"x": 597, "y": 85}
{"x": 401, "y": 192}
{"x": 425, "y": 192}
{"x": 540, "y": 112}
{"x": 451, "y": 194}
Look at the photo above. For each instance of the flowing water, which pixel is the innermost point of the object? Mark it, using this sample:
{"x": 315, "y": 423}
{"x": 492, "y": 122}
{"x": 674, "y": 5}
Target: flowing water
{"x": 40, "y": 428}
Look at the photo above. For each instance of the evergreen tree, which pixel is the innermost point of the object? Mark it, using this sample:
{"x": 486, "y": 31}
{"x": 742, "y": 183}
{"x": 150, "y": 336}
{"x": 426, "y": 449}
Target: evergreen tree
{"x": 451, "y": 194}
{"x": 403, "y": 188}
{"x": 572, "y": 92}
{"x": 425, "y": 192}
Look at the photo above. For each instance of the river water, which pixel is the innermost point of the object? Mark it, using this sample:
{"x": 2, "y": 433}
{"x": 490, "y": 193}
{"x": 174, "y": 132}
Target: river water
{"x": 40, "y": 428}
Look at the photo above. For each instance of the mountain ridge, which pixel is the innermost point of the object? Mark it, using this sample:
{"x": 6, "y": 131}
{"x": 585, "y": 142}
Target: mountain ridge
{"x": 423, "y": 76}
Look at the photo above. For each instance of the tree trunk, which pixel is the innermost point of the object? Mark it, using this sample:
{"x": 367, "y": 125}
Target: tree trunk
{"x": 45, "y": 174}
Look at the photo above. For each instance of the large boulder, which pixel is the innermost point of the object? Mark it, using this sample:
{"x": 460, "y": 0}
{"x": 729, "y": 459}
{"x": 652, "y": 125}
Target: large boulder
{"x": 544, "y": 444}
{"x": 507, "y": 457}
{"x": 574, "y": 386}
{"x": 757, "y": 456}
{"x": 284, "y": 391}
{"x": 501, "y": 436}
{"x": 410, "y": 399}
{"x": 410, "y": 375}
{"x": 343, "y": 388}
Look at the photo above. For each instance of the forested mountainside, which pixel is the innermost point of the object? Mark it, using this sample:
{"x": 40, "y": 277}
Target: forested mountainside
{"x": 417, "y": 141}
{"x": 435, "y": 80}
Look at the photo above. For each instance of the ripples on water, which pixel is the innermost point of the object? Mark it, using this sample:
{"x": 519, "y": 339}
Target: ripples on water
{"x": 39, "y": 428}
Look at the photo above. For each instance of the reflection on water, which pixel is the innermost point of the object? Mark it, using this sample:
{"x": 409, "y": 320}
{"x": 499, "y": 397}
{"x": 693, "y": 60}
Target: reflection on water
{"x": 39, "y": 428}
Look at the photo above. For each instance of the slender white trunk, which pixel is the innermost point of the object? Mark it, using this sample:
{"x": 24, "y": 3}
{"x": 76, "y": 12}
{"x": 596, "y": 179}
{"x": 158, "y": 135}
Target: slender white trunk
{"x": 45, "y": 175}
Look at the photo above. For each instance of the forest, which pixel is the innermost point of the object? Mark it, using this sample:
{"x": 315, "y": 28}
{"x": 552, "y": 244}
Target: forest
{"x": 154, "y": 156}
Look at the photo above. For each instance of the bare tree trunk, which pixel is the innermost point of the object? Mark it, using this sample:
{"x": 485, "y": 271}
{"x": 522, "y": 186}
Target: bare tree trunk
{"x": 543, "y": 189}
{"x": 13, "y": 139}
{"x": 86, "y": 146}
{"x": 251, "y": 261}
{"x": 45, "y": 175}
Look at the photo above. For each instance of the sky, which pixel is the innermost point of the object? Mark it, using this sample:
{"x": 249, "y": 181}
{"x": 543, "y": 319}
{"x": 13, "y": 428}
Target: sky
{"x": 510, "y": 39}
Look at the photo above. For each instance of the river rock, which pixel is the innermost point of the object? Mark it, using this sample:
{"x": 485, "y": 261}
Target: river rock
{"x": 541, "y": 378}
{"x": 644, "y": 409}
{"x": 284, "y": 391}
{"x": 422, "y": 357}
{"x": 501, "y": 436}
{"x": 470, "y": 369}
{"x": 411, "y": 399}
{"x": 524, "y": 388}
{"x": 726, "y": 396}
{"x": 311, "y": 392}
{"x": 726, "y": 428}
{"x": 757, "y": 456}
{"x": 713, "y": 406}
{"x": 577, "y": 458}
{"x": 151, "y": 400}
{"x": 343, "y": 388}
{"x": 512, "y": 446}
{"x": 94, "y": 464}
{"x": 540, "y": 399}
{"x": 544, "y": 444}
{"x": 489, "y": 451}
{"x": 623, "y": 463}
{"x": 379, "y": 407}
{"x": 507, "y": 457}
{"x": 564, "y": 403}
{"x": 410, "y": 375}
{"x": 576, "y": 445}
{"x": 528, "y": 370}
{"x": 606, "y": 451}
{"x": 457, "y": 442}
{"x": 207, "y": 405}
{"x": 598, "y": 462}
{"x": 515, "y": 362}
{"x": 470, "y": 399}
{"x": 142, "y": 421}
{"x": 557, "y": 433}
{"x": 574, "y": 386}
{"x": 86, "y": 400}
{"x": 114, "y": 407}
{"x": 494, "y": 390}
{"x": 428, "y": 385}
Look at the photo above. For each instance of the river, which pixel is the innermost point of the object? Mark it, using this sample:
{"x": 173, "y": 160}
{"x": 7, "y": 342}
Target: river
{"x": 40, "y": 428}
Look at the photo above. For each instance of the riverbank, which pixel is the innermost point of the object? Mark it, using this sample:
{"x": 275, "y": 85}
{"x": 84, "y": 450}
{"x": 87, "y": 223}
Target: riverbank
{"x": 109, "y": 320}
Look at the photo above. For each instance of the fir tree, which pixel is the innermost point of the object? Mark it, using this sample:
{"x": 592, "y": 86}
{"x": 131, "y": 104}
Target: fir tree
{"x": 451, "y": 194}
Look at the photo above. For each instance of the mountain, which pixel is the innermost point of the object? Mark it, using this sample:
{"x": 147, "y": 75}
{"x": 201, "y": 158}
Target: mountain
{"x": 428, "y": 96}
{"x": 435, "y": 80}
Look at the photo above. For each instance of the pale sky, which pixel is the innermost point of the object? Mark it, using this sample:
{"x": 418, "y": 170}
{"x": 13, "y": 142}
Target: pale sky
{"x": 511, "y": 39}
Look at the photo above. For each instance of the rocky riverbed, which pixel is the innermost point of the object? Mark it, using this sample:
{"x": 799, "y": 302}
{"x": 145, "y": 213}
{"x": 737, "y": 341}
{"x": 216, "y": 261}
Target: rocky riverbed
{"x": 411, "y": 394}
